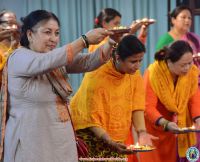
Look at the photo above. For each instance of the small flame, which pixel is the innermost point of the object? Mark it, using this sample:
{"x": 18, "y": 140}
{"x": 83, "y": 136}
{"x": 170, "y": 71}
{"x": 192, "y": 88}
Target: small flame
{"x": 193, "y": 127}
{"x": 137, "y": 145}
{"x": 14, "y": 26}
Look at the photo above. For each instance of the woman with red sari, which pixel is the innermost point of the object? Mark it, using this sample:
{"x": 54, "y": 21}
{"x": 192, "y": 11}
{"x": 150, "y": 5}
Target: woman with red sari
{"x": 172, "y": 102}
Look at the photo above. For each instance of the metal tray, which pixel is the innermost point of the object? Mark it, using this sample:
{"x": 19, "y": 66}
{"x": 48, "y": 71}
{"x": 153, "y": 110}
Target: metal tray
{"x": 142, "y": 150}
{"x": 120, "y": 31}
{"x": 188, "y": 130}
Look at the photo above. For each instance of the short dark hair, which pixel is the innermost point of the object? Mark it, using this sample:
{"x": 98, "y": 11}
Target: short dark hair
{"x": 174, "y": 51}
{"x": 32, "y": 20}
{"x": 128, "y": 46}
{"x": 177, "y": 11}
{"x": 106, "y": 15}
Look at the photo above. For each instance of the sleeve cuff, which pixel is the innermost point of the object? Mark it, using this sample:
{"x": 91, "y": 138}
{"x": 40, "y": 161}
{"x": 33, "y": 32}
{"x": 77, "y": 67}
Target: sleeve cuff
{"x": 69, "y": 53}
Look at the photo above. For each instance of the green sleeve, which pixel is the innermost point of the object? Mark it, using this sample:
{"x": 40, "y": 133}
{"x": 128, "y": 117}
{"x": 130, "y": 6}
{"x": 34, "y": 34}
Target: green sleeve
{"x": 164, "y": 41}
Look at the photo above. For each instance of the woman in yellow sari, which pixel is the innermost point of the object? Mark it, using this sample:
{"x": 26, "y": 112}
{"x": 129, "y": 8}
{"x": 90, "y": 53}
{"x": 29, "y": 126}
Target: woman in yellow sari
{"x": 172, "y": 102}
{"x": 109, "y": 18}
{"x": 110, "y": 100}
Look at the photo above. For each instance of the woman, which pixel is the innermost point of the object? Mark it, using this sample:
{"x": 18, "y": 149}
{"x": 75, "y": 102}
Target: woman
{"x": 110, "y": 100}
{"x": 109, "y": 18}
{"x": 181, "y": 19}
{"x": 171, "y": 84}
{"x": 39, "y": 127}
{"x": 9, "y": 37}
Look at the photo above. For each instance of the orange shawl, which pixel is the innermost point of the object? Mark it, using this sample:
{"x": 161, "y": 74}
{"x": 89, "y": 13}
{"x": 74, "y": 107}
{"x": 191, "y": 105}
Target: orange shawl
{"x": 176, "y": 98}
{"x": 106, "y": 99}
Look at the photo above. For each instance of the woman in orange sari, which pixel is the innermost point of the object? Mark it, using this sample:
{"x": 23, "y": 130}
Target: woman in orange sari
{"x": 110, "y": 100}
{"x": 109, "y": 18}
{"x": 171, "y": 84}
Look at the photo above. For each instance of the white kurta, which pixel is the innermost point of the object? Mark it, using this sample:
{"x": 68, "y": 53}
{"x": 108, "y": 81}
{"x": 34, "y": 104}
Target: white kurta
{"x": 34, "y": 132}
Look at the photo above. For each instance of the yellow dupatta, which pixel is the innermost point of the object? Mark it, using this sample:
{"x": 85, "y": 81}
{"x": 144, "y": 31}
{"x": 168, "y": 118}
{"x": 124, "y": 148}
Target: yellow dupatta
{"x": 176, "y": 98}
{"x": 106, "y": 99}
{"x": 4, "y": 53}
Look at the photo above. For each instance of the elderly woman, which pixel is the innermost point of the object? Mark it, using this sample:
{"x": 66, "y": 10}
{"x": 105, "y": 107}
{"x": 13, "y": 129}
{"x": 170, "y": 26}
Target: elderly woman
{"x": 38, "y": 127}
{"x": 172, "y": 102}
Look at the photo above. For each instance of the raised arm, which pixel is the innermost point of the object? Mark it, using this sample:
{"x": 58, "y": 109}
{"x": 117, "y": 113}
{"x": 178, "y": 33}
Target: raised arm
{"x": 25, "y": 62}
{"x": 88, "y": 62}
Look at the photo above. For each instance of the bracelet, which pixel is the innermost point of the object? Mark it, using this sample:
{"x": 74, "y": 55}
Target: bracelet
{"x": 85, "y": 41}
{"x": 165, "y": 126}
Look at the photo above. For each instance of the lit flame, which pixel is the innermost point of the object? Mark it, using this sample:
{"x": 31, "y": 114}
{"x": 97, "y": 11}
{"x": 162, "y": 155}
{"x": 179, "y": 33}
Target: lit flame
{"x": 193, "y": 127}
{"x": 14, "y": 26}
{"x": 137, "y": 145}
